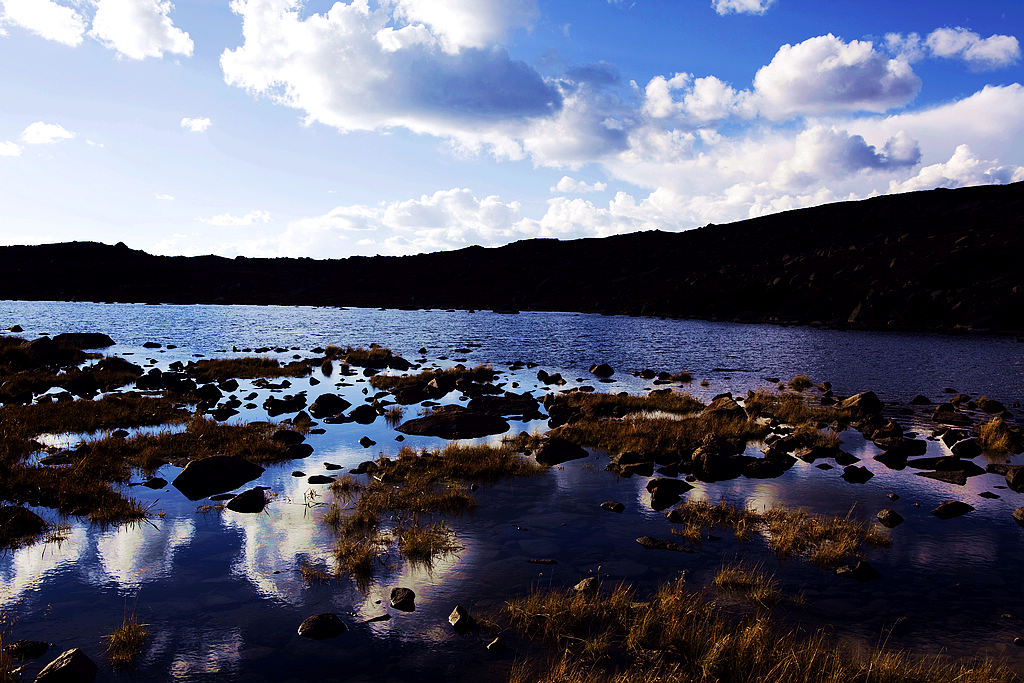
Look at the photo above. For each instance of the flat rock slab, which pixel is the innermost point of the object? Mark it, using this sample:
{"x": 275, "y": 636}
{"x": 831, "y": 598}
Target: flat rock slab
{"x": 322, "y": 626}
{"x": 455, "y": 422}
{"x": 959, "y": 477}
{"x": 72, "y": 666}
{"x": 951, "y": 508}
{"x": 215, "y": 474}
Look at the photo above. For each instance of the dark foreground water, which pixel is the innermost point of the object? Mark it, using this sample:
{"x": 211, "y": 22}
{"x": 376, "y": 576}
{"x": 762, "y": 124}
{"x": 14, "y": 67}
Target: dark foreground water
{"x": 223, "y": 597}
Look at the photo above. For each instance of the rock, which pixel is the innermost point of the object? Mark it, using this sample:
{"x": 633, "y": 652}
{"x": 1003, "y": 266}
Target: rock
{"x": 287, "y": 437}
{"x": 215, "y": 474}
{"x": 856, "y": 475}
{"x": 455, "y": 422}
{"x": 364, "y": 414}
{"x": 321, "y": 626}
{"x": 920, "y": 400}
{"x": 555, "y": 378}
{"x": 28, "y": 649}
{"x": 72, "y": 666}
{"x": 403, "y": 599}
{"x": 300, "y": 450}
{"x": 288, "y": 404}
{"x": 947, "y": 414}
{"x": 985, "y": 404}
{"x": 320, "y": 479}
{"x": 557, "y": 450}
{"x": 18, "y": 524}
{"x": 865, "y": 404}
{"x": 496, "y": 646}
{"x": 1018, "y": 515}
{"x": 613, "y": 506}
{"x": 154, "y": 483}
{"x": 725, "y": 406}
{"x": 366, "y": 442}
{"x": 510, "y": 404}
{"x": 951, "y": 436}
{"x": 889, "y": 518}
{"x": 90, "y": 340}
{"x": 861, "y": 571}
{"x": 1015, "y": 478}
{"x": 652, "y": 543}
{"x": 602, "y": 370}
{"x": 460, "y": 619}
{"x": 666, "y": 492}
{"x": 251, "y": 501}
{"x": 966, "y": 448}
{"x": 951, "y": 508}
{"x": 950, "y": 477}
{"x": 328, "y": 405}
{"x": 151, "y": 345}
{"x": 587, "y": 585}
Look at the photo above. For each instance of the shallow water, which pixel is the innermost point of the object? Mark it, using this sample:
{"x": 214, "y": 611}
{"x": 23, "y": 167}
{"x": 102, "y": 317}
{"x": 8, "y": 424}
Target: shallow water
{"x": 223, "y": 596}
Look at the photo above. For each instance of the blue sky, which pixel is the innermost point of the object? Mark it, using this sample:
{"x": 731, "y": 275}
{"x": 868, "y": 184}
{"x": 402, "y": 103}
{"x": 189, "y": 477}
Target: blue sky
{"x": 326, "y": 129}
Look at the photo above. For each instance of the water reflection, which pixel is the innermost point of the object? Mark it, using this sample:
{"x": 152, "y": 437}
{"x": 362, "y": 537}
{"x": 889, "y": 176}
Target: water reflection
{"x": 134, "y": 554}
{"x": 27, "y": 569}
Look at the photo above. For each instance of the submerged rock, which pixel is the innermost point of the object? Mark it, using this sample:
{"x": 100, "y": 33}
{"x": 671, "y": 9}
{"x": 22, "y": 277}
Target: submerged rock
{"x": 28, "y": 649}
{"x": 861, "y": 571}
{"x": 613, "y": 506}
{"x": 889, "y": 517}
{"x": 251, "y": 501}
{"x": 557, "y": 450}
{"x": 856, "y": 475}
{"x": 321, "y": 626}
{"x": 72, "y": 666}
{"x": 215, "y": 474}
{"x": 455, "y": 422}
{"x": 951, "y": 508}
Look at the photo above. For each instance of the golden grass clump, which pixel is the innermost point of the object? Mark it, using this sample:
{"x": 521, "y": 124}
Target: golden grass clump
{"x": 800, "y": 382}
{"x": 813, "y": 437}
{"x": 125, "y": 644}
{"x": 594, "y": 405}
{"x": 995, "y": 437}
{"x": 825, "y": 540}
{"x": 219, "y": 369}
{"x": 683, "y": 636}
{"x": 794, "y": 409}
{"x": 393, "y": 416}
{"x": 446, "y": 377}
{"x": 421, "y": 543}
{"x": 357, "y": 556}
{"x": 749, "y": 582}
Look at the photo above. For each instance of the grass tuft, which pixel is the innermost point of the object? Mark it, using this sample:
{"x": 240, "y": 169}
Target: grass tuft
{"x": 125, "y": 644}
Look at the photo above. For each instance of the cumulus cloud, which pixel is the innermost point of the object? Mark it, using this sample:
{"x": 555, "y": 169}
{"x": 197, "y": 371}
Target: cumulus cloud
{"x": 138, "y": 29}
{"x": 197, "y": 124}
{"x": 10, "y": 149}
{"x": 45, "y": 18}
{"x": 470, "y": 23}
{"x": 351, "y": 68}
{"x": 742, "y": 6}
{"x": 569, "y": 185}
{"x": 982, "y": 53}
{"x": 962, "y": 170}
{"x": 824, "y": 75}
{"x": 40, "y": 133}
{"x": 230, "y": 220}
{"x": 823, "y": 153}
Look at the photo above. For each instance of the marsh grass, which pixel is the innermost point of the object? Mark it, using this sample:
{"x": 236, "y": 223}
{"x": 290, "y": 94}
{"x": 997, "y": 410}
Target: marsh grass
{"x": 995, "y": 437}
{"x": 800, "y": 383}
{"x": 825, "y": 540}
{"x": 683, "y": 635}
{"x": 374, "y": 357}
{"x": 791, "y": 408}
{"x": 219, "y": 369}
{"x": 749, "y": 582}
{"x": 586, "y": 405}
{"x": 358, "y": 556}
{"x": 313, "y": 575}
{"x": 125, "y": 644}
{"x": 684, "y": 377}
{"x": 421, "y": 543}
{"x": 446, "y": 377}
{"x": 393, "y": 415}
{"x": 813, "y": 437}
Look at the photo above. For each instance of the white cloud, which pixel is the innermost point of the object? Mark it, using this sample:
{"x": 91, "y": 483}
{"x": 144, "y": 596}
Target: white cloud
{"x": 982, "y": 53}
{"x": 742, "y": 6}
{"x": 10, "y": 149}
{"x": 45, "y": 18}
{"x": 230, "y": 220}
{"x": 470, "y": 23}
{"x": 40, "y": 133}
{"x": 824, "y": 74}
{"x": 962, "y": 170}
{"x": 568, "y": 185}
{"x": 197, "y": 124}
{"x": 345, "y": 69}
{"x": 139, "y": 28}
{"x": 164, "y": 197}
{"x": 822, "y": 154}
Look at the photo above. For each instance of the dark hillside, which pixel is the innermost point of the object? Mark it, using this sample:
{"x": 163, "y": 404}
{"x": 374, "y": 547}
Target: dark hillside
{"x": 941, "y": 260}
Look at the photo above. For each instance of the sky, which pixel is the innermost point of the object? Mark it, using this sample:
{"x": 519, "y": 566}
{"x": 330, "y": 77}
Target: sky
{"x": 325, "y": 129}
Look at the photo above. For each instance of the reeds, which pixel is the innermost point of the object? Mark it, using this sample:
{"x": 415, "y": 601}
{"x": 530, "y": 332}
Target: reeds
{"x": 749, "y": 582}
{"x": 219, "y": 369}
{"x": 421, "y": 543}
{"x": 125, "y": 644}
{"x": 995, "y": 437}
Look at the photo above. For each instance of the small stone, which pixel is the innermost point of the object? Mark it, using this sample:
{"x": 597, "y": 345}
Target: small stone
{"x": 403, "y": 599}
{"x": 892, "y": 496}
{"x": 889, "y": 517}
{"x": 613, "y": 506}
{"x": 587, "y": 585}
{"x": 321, "y": 626}
{"x": 366, "y": 442}
{"x": 460, "y": 619}
{"x": 251, "y": 501}
{"x": 951, "y": 508}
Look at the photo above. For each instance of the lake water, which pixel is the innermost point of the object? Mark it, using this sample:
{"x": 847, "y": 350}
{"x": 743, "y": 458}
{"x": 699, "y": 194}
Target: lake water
{"x": 223, "y": 597}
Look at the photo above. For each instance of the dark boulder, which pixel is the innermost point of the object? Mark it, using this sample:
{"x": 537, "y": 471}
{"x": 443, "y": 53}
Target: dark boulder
{"x": 1018, "y": 515}
{"x": 320, "y": 479}
{"x": 602, "y": 370}
{"x": 949, "y": 476}
{"x": 321, "y": 626}
{"x": 865, "y": 404}
{"x": 889, "y": 517}
{"x": 951, "y": 508}
{"x": 84, "y": 340}
{"x": 251, "y": 501}
{"x": 366, "y": 442}
{"x": 666, "y": 492}
{"x": 455, "y": 422}
{"x": 920, "y": 400}
{"x": 510, "y": 404}
{"x": 289, "y": 404}
{"x": 616, "y": 506}
{"x": 725, "y": 406}
{"x": 557, "y": 450}
{"x": 856, "y": 474}
{"x": 966, "y": 448}
{"x": 403, "y": 599}
{"x": 287, "y": 437}
{"x": 328, "y": 405}
{"x": 1015, "y": 478}
{"x": 215, "y": 474}
{"x": 591, "y": 584}
{"x": 364, "y": 414}
{"x": 18, "y": 525}
{"x": 154, "y": 483}
{"x": 460, "y": 619}
{"x": 72, "y": 666}
{"x": 28, "y": 649}
{"x": 861, "y": 571}
{"x": 951, "y": 436}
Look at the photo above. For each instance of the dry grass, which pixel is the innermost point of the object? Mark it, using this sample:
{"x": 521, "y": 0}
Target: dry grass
{"x": 313, "y": 575}
{"x": 374, "y": 357}
{"x": 684, "y": 377}
{"x": 682, "y": 635}
{"x": 219, "y": 369}
{"x": 813, "y": 437}
{"x": 358, "y": 556}
{"x": 125, "y": 644}
{"x": 6, "y": 663}
{"x": 995, "y": 437}
{"x": 826, "y": 540}
{"x": 447, "y": 377}
{"x": 590, "y": 406}
{"x": 421, "y": 543}
{"x": 393, "y": 416}
{"x": 749, "y": 582}
{"x": 790, "y": 408}
{"x": 800, "y": 382}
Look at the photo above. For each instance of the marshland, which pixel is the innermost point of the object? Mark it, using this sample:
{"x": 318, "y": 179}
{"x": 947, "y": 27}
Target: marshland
{"x": 729, "y": 503}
